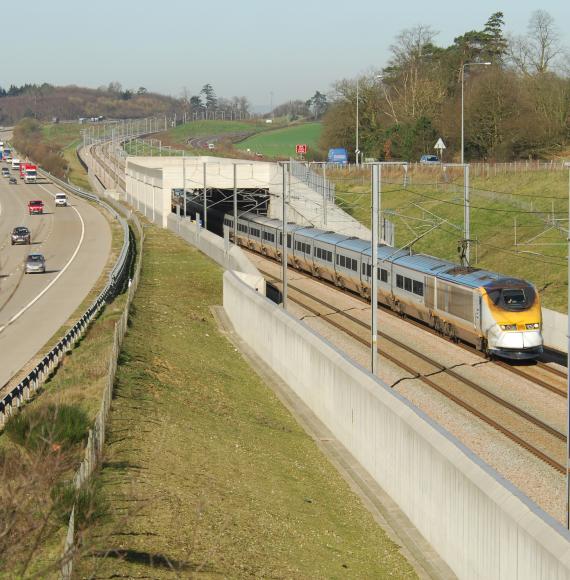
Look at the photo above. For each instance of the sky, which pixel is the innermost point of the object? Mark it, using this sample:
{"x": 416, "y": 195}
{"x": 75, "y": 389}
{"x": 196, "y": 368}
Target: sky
{"x": 266, "y": 51}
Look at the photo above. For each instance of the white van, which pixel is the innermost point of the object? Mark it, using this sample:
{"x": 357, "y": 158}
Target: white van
{"x": 60, "y": 200}
{"x": 15, "y": 164}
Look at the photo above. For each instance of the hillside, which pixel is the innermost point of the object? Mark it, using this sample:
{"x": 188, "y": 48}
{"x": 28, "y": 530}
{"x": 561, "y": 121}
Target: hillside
{"x": 69, "y": 103}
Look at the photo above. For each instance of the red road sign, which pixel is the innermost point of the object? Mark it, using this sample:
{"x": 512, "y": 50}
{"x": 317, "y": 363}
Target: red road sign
{"x": 301, "y": 149}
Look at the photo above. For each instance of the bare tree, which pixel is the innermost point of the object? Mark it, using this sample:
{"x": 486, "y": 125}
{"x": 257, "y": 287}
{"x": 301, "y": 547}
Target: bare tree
{"x": 537, "y": 52}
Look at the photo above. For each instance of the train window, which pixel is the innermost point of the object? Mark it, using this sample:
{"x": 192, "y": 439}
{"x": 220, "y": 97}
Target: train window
{"x": 512, "y": 298}
{"x": 329, "y": 256}
{"x": 343, "y": 261}
{"x": 408, "y": 284}
{"x": 280, "y": 239}
{"x": 355, "y": 265}
{"x": 418, "y": 288}
{"x": 288, "y": 240}
{"x": 399, "y": 281}
{"x": 337, "y": 259}
{"x": 384, "y": 275}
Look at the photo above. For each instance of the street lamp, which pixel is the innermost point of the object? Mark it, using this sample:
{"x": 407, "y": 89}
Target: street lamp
{"x": 357, "y": 150}
{"x": 462, "y": 102}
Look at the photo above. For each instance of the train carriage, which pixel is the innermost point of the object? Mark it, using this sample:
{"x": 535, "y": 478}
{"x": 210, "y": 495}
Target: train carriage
{"x": 498, "y": 315}
{"x": 348, "y": 262}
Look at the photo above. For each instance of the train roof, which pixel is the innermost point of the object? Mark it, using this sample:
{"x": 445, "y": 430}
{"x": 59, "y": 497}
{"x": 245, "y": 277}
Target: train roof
{"x": 386, "y": 253}
{"x": 449, "y": 271}
{"x": 322, "y": 235}
{"x": 355, "y": 244}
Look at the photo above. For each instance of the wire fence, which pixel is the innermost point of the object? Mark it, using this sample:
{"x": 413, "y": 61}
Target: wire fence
{"x": 96, "y": 435}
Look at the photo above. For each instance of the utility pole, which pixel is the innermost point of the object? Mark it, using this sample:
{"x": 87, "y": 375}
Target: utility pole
{"x": 284, "y": 239}
{"x": 235, "y": 204}
{"x": 325, "y": 194}
{"x": 205, "y": 201}
{"x": 184, "y": 183}
{"x": 466, "y": 213}
{"x": 567, "y": 164}
{"x": 374, "y": 270}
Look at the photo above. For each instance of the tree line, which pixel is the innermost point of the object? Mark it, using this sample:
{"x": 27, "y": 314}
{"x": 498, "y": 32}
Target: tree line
{"x": 516, "y": 96}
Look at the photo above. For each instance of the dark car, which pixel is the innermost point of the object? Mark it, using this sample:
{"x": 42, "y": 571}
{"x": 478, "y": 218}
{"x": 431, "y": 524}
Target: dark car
{"x": 21, "y": 235}
{"x": 430, "y": 160}
{"x": 35, "y": 263}
{"x": 13, "y": 181}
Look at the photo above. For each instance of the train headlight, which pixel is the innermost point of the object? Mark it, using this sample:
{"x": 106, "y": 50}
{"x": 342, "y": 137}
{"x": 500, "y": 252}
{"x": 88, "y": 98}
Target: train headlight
{"x": 509, "y": 326}
{"x": 533, "y": 326}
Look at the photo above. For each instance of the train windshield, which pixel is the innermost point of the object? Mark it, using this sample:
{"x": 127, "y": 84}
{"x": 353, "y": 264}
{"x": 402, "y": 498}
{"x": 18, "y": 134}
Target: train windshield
{"x": 515, "y": 298}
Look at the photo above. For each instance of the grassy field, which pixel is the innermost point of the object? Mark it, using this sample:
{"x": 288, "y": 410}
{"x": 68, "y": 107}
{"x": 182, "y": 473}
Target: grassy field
{"x": 281, "y": 142}
{"x": 496, "y": 202}
{"x": 205, "y": 471}
{"x": 68, "y": 137}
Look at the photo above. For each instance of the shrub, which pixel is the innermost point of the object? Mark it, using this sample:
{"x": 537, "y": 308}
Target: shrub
{"x": 50, "y": 425}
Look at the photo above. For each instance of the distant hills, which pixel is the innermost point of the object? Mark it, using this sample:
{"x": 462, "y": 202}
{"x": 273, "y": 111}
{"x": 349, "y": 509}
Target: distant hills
{"x": 44, "y": 102}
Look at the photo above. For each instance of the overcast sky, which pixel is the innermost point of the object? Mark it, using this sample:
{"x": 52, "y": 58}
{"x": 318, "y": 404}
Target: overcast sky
{"x": 251, "y": 48}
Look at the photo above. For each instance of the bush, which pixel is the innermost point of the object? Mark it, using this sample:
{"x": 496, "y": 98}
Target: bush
{"x": 48, "y": 426}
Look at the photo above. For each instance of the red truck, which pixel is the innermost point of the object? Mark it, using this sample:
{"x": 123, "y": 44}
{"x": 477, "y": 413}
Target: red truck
{"x": 35, "y": 206}
{"x": 28, "y": 172}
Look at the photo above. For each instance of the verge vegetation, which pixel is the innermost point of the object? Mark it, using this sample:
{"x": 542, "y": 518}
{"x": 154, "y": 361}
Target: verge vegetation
{"x": 536, "y": 200}
{"x": 205, "y": 471}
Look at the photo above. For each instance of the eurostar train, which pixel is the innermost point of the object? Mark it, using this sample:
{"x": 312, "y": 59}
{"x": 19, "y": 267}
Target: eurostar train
{"x": 498, "y": 315}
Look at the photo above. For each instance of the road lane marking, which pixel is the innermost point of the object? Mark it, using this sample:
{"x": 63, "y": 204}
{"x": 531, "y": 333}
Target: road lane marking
{"x": 60, "y": 273}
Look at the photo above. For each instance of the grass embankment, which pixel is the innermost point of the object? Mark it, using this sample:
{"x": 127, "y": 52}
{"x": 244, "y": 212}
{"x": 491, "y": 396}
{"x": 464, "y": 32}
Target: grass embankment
{"x": 273, "y": 141}
{"x": 178, "y": 137}
{"x": 40, "y": 451}
{"x": 495, "y": 203}
{"x": 205, "y": 469}
{"x": 67, "y": 136}
{"x": 281, "y": 142}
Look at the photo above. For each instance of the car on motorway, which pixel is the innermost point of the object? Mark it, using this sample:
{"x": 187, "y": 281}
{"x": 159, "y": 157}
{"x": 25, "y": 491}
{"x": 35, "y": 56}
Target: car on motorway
{"x": 21, "y": 235}
{"x": 5, "y": 172}
{"x": 60, "y": 200}
{"x": 13, "y": 181}
{"x": 35, "y": 263}
{"x": 429, "y": 160}
{"x": 35, "y": 206}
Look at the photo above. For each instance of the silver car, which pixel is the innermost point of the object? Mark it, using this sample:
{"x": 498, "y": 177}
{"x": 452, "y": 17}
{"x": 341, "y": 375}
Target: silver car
{"x": 35, "y": 263}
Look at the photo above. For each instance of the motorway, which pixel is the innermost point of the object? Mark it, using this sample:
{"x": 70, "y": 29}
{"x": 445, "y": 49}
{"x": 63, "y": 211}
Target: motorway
{"x": 76, "y": 242}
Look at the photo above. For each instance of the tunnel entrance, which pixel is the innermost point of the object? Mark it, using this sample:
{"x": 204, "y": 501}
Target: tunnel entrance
{"x": 218, "y": 203}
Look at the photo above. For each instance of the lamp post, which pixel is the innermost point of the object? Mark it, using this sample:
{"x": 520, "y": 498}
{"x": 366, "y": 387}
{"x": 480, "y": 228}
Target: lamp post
{"x": 465, "y": 64}
{"x": 357, "y": 150}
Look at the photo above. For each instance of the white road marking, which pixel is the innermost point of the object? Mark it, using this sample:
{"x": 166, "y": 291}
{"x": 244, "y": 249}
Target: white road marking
{"x": 61, "y": 272}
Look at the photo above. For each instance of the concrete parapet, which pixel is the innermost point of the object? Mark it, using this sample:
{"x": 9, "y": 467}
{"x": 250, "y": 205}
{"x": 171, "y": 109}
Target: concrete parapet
{"x": 480, "y": 524}
{"x": 555, "y": 330}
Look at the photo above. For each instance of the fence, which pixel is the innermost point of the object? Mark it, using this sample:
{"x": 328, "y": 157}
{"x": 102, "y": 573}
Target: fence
{"x": 314, "y": 180}
{"x": 96, "y": 436}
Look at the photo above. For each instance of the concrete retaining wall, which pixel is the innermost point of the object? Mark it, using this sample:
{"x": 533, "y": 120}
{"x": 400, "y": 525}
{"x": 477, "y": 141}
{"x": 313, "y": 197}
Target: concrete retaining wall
{"x": 555, "y": 330}
{"x": 481, "y": 525}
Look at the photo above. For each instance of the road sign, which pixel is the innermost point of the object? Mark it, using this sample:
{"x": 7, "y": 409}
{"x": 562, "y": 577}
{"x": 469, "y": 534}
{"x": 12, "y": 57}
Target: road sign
{"x": 301, "y": 149}
{"x": 440, "y": 145}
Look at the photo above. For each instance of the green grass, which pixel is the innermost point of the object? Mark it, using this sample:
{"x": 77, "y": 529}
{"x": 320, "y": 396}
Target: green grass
{"x": 204, "y": 468}
{"x": 492, "y": 221}
{"x": 281, "y": 142}
{"x": 68, "y": 137}
{"x": 186, "y": 131}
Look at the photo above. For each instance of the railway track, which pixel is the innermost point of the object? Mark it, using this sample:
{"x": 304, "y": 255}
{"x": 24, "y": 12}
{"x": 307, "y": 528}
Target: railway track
{"x": 532, "y": 434}
{"x": 535, "y": 371}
